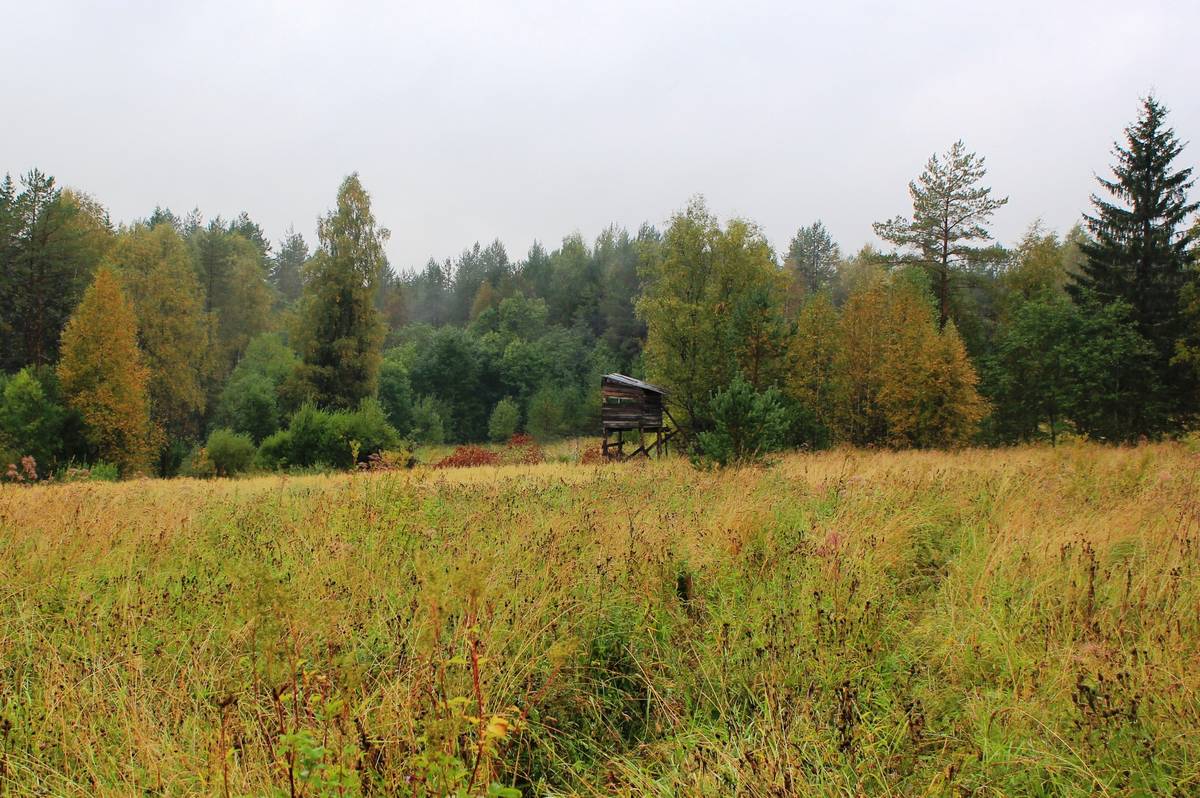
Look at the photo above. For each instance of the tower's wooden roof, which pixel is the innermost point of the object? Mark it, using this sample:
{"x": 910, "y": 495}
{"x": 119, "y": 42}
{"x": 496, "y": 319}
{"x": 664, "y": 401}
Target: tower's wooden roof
{"x": 634, "y": 383}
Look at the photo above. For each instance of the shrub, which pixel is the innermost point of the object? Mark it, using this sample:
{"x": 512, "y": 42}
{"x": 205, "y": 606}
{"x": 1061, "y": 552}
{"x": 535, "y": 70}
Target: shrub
{"x": 313, "y": 437}
{"x": 250, "y": 405}
{"x": 24, "y": 472}
{"x": 338, "y": 439}
{"x": 250, "y": 401}
{"x": 30, "y": 420}
{"x": 360, "y": 433}
{"x": 805, "y": 430}
{"x": 229, "y": 452}
{"x": 468, "y": 457}
{"x": 427, "y": 423}
{"x": 523, "y": 450}
{"x": 275, "y": 452}
{"x": 747, "y": 425}
{"x": 197, "y": 464}
{"x": 593, "y": 455}
{"x": 504, "y": 420}
{"x": 98, "y": 472}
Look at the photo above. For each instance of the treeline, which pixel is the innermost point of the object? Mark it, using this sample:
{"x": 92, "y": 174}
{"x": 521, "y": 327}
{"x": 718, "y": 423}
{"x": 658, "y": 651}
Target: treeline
{"x": 136, "y": 345}
{"x": 174, "y": 345}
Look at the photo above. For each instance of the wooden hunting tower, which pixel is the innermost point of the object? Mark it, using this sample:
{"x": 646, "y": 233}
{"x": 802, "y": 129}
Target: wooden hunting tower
{"x": 630, "y": 406}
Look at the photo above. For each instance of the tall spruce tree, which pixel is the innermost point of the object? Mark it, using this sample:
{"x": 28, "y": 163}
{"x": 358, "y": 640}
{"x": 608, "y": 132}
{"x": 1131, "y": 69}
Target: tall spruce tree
{"x": 950, "y": 211}
{"x": 340, "y": 333}
{"x": 1138, "y": 252}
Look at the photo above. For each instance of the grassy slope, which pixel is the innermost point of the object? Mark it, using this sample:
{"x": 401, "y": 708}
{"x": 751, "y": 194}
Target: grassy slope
{"x": 845, "y": 623}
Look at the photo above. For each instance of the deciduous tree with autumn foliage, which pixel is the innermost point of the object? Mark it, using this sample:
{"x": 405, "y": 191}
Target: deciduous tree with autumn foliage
{"x": 104, "y": 378}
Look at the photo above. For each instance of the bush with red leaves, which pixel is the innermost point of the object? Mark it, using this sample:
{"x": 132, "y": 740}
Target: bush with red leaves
{"x": 467, "y": 457}
{"x": 593, "y": 456}
{"x": 523, "y": 450}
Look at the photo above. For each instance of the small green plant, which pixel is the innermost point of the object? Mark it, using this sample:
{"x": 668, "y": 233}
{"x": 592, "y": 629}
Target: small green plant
{"x": 315, "y": 768}
{"x": 97, "y": 472}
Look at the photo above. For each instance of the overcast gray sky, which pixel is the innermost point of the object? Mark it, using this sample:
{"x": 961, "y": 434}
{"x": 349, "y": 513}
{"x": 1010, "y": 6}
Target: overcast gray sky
{"x": 523, "y": 121}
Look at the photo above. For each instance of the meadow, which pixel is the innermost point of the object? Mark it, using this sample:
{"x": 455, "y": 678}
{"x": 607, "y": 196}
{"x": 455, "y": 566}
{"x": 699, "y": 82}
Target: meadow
{"x": 990, "y": 622}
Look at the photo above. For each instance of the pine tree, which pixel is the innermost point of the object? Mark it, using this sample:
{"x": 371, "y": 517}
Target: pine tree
{"x": 950, "y": 210}
{"x": 812, "y": 258}
{"x": 574, "y": 289}
{"x": 103, "y": 377}
{"x": 243, "y": 311}
{"x": 340, "y": 334}
{"x": 1139, "y": 248}
{"x": 616, "y": 254}
{"x": 535, "y": 272}
{"x": 248, "y": 229}
{"x": 1187, "y": 350}
{"x": 390, "y": 299}
{"x": 427, "y": 295}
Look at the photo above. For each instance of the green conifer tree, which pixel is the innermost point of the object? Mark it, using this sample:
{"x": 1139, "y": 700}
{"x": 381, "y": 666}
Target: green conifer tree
{"x": 1139, "y": 251}
{"x": 340, "y": 334}
{"x": 951, "y": 210}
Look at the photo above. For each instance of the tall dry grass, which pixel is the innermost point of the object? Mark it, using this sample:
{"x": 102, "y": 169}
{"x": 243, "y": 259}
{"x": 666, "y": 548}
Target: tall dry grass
{"x": 1020, "y": 622}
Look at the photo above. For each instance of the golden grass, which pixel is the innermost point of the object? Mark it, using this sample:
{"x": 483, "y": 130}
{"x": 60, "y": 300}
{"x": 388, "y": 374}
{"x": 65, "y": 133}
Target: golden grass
{"x": 850, "y": 623}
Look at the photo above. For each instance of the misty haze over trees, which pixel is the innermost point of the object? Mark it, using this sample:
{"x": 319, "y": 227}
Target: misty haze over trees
{"x": 179, "y": 344}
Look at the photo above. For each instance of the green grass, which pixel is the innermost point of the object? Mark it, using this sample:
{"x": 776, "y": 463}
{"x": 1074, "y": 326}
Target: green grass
{"x": 1019, "y": 622}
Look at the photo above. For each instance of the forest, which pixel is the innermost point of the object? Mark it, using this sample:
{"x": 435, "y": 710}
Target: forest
{"x": 180, "y": 345}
